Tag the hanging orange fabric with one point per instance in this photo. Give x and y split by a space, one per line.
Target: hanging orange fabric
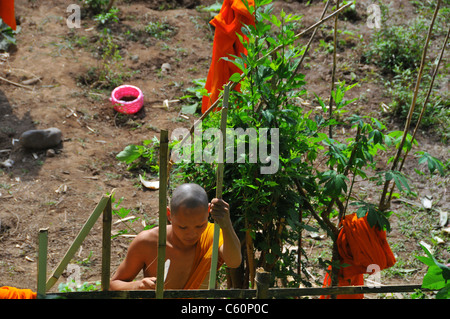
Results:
232 16
202 259
7 292
7 13
360 246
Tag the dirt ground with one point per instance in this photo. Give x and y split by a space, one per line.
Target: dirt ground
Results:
59 192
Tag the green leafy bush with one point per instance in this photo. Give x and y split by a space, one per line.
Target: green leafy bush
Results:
398 46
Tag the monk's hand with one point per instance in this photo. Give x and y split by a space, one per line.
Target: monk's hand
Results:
148 283
220 212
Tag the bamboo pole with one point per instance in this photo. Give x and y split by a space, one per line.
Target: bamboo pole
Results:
333 72
162 230
106 246
77 242
42 262
262 283
383 202
250 256
219 186
430 88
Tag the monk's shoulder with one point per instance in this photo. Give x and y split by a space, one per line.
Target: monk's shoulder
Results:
146 239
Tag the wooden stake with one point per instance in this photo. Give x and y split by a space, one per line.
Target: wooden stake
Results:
219 184
262 283
42 262
106 246
163 161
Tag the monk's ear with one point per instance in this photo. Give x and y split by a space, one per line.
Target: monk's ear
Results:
168 215
209 208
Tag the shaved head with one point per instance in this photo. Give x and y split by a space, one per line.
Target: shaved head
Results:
190 196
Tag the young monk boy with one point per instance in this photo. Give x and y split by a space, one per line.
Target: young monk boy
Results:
188 244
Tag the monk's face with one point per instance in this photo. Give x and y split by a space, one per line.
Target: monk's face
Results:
189 223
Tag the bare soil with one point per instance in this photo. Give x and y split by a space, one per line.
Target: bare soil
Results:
59 192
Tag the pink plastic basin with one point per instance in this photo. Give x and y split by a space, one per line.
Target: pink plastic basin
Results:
128 105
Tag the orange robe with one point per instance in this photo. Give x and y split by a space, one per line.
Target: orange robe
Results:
360 246
7 292
228 22
7 13
202 260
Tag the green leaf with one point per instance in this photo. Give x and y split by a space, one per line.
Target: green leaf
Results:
433 278
130 153
399 179
335 183
235 77
432 162
437 276
189 109
374 216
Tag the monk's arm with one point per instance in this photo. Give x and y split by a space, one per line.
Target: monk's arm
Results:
230 251
123 278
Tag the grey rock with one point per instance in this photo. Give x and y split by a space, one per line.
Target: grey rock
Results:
41 139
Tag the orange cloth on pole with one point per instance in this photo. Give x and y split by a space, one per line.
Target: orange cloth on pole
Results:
232 16
202 260
7 292
360 246
7 13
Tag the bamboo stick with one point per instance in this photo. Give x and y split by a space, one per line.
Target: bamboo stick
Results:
106 246
162 231
42 262
16 84
262 284
430 88
383 203
333 72
219 186
250 256
77 242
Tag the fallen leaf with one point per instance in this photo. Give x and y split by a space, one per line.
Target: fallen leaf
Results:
149 184
443 218
427 202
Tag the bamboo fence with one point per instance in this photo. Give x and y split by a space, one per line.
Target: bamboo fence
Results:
262 278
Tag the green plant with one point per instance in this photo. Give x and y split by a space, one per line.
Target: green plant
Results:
437 276
111 71
401 89
194 96
142 157
72 286
96 6
397 46
7 36
397 50
124 214
107 17
160 30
